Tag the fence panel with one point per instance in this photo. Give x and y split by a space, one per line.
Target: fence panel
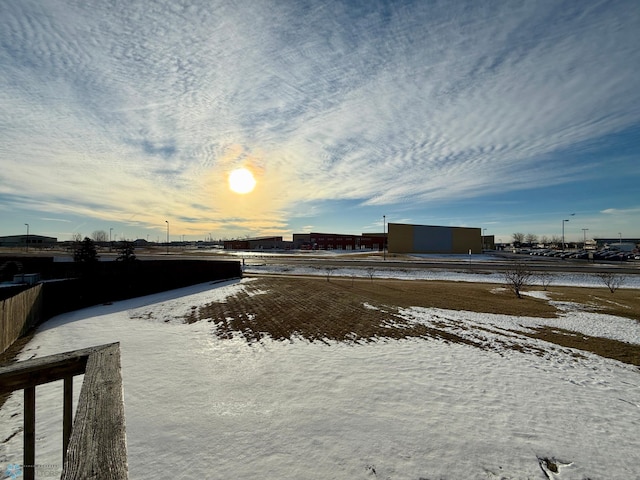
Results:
18 314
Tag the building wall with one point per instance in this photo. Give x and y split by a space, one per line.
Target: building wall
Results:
465 239
372 241
236 245
334 241
404 238
32 240
489 242
301 240
400 238
265 243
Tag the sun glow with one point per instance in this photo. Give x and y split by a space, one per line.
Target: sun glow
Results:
241 180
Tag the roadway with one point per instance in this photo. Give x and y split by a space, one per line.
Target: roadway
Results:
474 263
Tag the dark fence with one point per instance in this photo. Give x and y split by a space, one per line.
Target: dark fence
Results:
78 286
104 282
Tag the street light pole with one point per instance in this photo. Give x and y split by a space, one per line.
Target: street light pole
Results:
620 235
584 237
27 236
384 237
110 230
563 233
167 222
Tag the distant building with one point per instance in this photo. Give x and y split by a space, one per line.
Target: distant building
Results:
36 241
372 241
488 242
340 241
261 243
622 244
334 241
302 241
236 244
404 238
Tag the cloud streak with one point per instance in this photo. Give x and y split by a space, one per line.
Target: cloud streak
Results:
146 106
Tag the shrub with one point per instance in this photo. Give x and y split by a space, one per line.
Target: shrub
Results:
612 280
517 276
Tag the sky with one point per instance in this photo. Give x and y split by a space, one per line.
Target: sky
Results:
129 116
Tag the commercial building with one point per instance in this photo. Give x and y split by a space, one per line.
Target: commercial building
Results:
338 241
401 238
261 243
36 241
404 238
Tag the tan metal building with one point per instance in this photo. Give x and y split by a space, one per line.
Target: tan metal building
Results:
405 238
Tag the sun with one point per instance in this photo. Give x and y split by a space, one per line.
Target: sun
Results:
241 180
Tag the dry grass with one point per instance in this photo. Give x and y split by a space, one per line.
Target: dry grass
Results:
320 310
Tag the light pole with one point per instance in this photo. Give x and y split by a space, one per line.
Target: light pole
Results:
620 236
563 233
384 237
482 249
167 222
584 237
110 230
27 236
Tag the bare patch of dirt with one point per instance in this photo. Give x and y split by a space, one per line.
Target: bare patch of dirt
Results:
621 351
361 310
313 309
623 303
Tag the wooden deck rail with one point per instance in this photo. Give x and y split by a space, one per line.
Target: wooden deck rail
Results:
94 444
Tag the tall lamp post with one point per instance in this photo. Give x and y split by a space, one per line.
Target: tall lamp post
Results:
384 237
620 236
584 237
563 233
167 222
110 244
483 235
27 236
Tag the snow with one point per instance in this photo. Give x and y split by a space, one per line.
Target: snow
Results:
202 407
450 274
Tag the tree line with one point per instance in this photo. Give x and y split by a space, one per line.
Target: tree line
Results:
531 239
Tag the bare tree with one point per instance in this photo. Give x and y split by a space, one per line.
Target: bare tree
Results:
76 237
100 236
371 272
517 276
329 270
544 240
556 240
545 279
531 238
518 237
612 280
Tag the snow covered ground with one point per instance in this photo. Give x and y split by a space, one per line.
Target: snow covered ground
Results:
488 276
202 407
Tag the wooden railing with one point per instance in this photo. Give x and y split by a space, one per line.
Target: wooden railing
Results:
94 444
